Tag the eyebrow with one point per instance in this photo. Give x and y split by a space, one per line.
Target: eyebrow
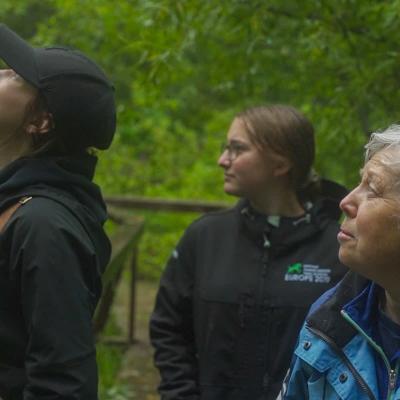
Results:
371 174
373 177
236 141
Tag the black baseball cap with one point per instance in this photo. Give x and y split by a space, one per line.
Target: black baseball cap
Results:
78 93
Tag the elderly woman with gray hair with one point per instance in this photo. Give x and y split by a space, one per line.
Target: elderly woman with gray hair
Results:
349 347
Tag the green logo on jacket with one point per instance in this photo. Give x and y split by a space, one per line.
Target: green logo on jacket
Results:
299 272
296 268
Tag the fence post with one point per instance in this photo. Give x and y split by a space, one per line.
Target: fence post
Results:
132 299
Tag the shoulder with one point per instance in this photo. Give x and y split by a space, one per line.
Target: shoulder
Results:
326 231
214 220
43 210
211 225
208 229
324 221
330 230
41 217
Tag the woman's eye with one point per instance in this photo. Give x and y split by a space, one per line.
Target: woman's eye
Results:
238 148
372 191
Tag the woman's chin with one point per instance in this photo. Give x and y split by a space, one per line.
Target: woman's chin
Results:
346 259
229 189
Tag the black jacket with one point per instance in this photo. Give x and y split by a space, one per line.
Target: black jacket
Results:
53 251
233 298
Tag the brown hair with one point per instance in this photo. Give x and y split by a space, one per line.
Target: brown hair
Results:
289 133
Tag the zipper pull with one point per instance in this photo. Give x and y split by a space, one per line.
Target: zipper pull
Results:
267 243
306 219
392 379
24 200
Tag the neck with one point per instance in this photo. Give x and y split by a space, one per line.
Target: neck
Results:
283 202
11 150
391 306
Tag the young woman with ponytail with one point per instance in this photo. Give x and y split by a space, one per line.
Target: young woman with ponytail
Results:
239 283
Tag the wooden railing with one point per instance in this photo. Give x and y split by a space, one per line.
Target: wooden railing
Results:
125 241
147 203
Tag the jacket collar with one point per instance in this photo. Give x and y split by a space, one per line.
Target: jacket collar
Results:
70 175
364 309
350 294
278 231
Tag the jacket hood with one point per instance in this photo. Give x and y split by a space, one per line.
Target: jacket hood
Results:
331 194
280 230
67 181
72 175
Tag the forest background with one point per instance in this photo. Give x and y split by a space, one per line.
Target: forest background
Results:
183 68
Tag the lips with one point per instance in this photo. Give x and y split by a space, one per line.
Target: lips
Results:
344 235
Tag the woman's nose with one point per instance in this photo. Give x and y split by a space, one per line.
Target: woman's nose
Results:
349 204
223 160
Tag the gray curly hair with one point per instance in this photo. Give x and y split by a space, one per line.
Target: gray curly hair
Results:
386 139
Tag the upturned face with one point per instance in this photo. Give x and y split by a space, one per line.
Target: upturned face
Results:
370 234
248 170
15 95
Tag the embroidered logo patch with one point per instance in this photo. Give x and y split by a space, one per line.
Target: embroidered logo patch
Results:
307 273
296 268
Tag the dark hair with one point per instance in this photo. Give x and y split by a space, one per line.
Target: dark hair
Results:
289 133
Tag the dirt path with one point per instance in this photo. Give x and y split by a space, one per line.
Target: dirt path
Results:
138 372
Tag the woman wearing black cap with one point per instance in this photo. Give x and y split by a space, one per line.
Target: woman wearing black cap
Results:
237 287
55 103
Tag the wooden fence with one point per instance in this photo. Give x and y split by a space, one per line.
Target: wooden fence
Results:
125 241
147 203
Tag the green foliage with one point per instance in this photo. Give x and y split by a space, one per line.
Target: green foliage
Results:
179 65
159 239
109 361
183 68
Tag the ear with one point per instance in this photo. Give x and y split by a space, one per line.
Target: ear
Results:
282 165
41 124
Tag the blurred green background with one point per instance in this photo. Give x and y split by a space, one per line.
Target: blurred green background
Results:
183 68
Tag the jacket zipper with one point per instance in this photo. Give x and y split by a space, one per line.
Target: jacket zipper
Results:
359 379
261 308
392 382
391 372
244 300
264 260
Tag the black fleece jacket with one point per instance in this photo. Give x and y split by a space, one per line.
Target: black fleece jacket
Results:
232 299
53 251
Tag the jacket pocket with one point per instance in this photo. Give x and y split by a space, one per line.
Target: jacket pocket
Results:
319 388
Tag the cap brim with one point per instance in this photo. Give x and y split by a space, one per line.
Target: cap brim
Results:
18 55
